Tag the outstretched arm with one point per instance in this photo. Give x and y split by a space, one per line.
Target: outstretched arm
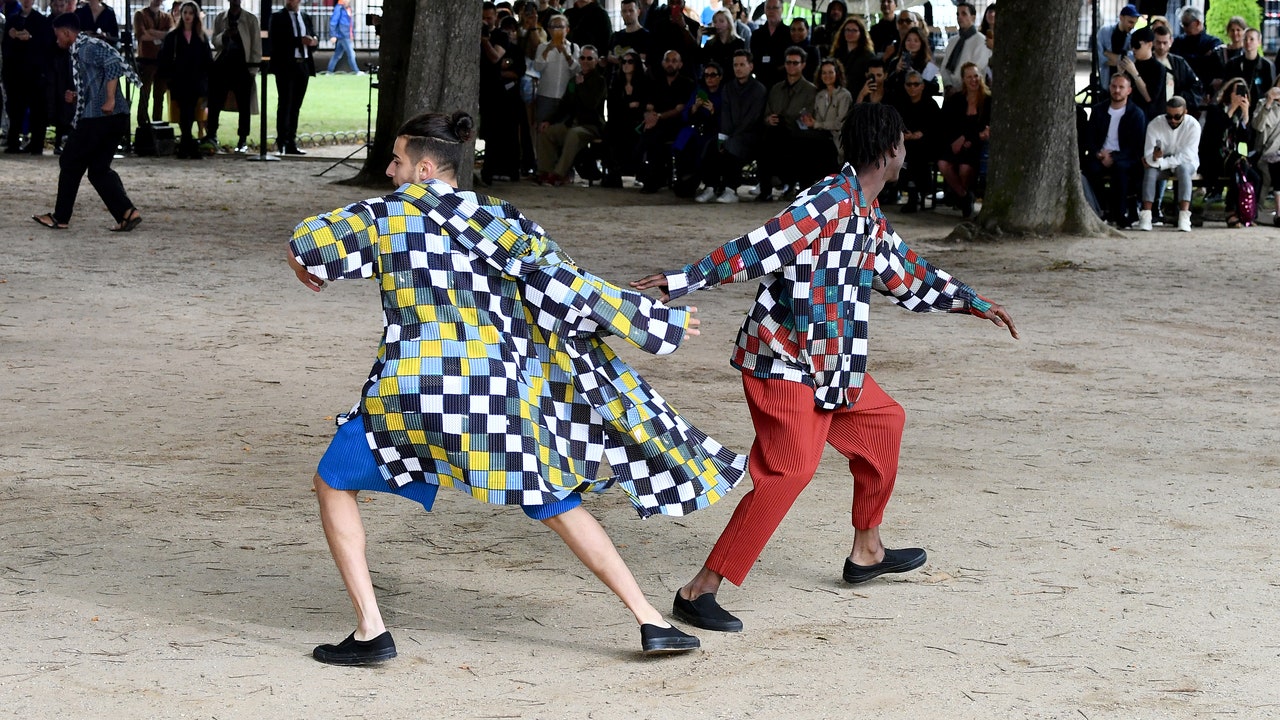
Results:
338 244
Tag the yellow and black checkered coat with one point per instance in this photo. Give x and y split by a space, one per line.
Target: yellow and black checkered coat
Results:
492 375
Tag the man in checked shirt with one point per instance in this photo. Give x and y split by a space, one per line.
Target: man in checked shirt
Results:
803 353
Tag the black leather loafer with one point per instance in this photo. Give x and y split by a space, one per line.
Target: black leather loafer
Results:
661 640
704 612
357 652
895 561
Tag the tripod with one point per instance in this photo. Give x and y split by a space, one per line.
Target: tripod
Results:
368 121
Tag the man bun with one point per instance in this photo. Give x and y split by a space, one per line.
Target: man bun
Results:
462 125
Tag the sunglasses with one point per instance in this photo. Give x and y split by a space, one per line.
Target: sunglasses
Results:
628 61
587 57
795 62
915 84
710 74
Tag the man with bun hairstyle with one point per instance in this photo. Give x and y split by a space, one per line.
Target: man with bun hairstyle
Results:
493 378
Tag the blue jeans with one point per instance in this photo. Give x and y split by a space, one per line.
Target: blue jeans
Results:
342 47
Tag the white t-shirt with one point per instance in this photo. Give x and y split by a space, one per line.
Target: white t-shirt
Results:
1112 142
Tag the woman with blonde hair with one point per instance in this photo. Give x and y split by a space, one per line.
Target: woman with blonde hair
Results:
966 123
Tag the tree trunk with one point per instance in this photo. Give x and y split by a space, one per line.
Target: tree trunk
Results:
429 61
1034 185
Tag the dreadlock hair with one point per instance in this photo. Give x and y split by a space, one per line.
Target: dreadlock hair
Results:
438 136
870 131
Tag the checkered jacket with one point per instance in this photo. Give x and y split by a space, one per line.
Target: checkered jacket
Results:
820 259
492 375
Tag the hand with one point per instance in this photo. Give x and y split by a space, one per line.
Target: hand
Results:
694 322
109 106
807 120
304 277
650 119
771 120
1104 156
310 41
542 126
1157 153
656 280
998 315
69 96
1127 65
985 134
957 145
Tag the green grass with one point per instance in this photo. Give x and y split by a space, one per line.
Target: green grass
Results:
333 104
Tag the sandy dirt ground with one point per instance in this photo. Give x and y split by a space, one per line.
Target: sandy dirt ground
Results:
1098 499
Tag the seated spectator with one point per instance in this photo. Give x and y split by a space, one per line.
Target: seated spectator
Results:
1181 80
742 110
831 105
852 47
1113 146
913 54
700 134
662 121
966 47
1266 123
1257 71
873 85
793 152
556 64
1148 75
1225 149
966 123
724 43
1171 149
921 117
629 95
828 30
800 39
905 20
578 121
185 60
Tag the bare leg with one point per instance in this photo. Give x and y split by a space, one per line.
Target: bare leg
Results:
950 177
867 548
345 534
706 581
589 541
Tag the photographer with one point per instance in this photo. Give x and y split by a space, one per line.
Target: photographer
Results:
874 86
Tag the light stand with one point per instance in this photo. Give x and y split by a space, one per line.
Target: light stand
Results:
130 58
368 121
264 70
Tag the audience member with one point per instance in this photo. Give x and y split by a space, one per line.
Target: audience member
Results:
885 33
671 30
769 44
831 105
913 54
27 49
578 121
1257 71
922 119
1171 149
1233 47
502 65
556 63
966 122
904 21
792 151
1198 47
237 53
826 32
590 24
852 48
62 83
293 41
1113 145
1266 123
99 20
662 121
632 36
1226 146
873 86
966 47
724 41
800 39
1113 43
150 25
185 60
697 140
629 94
531 36
1181 80
740 130
1148 75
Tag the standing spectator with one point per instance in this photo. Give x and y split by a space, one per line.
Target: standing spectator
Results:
629 95
769 44
342 30
708 12
237 46
670 29
966 117
1148 75
826 32
501 111
590 22
852 48
740 24
529 36
185 61
100 123
1199 48
61 84
1113 43
293 42
632 36
800 39
1266 123
922 119
788 141
150 25
662 121
1257 71
885 33
99 20
913 54
578 121
831 105
740 130
1181 80
1113 147
556 63
26 48
724 42
966 47
1232 49
1171 149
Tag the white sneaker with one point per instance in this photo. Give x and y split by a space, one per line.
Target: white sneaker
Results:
1184 220
730 195
1144 219
753 190
706 195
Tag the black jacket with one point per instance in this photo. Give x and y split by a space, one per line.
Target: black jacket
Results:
284 41
1133 132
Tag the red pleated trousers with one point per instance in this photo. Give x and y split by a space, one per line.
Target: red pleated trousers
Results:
790 435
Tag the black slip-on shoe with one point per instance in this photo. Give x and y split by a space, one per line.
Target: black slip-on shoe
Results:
895 561
660 640
704 612
357 652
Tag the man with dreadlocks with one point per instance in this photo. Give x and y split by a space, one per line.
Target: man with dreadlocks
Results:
101 121
803 355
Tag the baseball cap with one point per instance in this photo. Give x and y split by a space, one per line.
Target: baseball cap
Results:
1129 11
